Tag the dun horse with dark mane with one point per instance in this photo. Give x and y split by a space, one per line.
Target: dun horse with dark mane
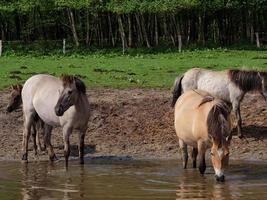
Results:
203 121
230 85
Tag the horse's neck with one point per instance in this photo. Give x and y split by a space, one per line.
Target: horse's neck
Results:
82 103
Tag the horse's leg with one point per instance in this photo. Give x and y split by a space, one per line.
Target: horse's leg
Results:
66 137
183 148
236 109
34 137
194 157
48 129
39 129
26 135
81 146
201 156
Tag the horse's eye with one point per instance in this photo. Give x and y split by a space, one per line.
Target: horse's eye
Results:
70 92
211 154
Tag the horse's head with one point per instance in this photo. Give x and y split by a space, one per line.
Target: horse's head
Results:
220 157
73 87
15 98
263 76
219 128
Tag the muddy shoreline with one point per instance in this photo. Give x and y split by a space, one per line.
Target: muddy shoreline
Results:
134 124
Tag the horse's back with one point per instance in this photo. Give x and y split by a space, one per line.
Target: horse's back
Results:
190 117
215 82
40 94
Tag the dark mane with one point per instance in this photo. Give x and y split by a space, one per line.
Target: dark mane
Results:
69 79
217 128
17 87
245 80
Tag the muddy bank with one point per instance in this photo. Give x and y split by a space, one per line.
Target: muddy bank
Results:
134 123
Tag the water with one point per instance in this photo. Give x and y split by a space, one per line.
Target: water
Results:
128 180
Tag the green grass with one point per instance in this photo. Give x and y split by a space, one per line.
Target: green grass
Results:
111 69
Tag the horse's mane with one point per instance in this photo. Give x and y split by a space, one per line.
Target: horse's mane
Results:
17 87
246 80
69 79
217 121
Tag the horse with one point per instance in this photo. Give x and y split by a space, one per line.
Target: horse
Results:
230 85
203 121
38 126
58 102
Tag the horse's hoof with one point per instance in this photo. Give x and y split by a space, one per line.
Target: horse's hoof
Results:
24 157
53 158
240 136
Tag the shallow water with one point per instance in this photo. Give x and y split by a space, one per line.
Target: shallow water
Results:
129 180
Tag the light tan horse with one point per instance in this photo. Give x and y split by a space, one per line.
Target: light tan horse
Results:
202 121
58 102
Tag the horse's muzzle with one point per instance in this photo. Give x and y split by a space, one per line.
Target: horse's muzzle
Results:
220 178
59 110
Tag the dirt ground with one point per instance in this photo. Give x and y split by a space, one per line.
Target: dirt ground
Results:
134 123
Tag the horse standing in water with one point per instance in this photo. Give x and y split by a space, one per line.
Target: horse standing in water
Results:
38 125
58 102
202 121
230 85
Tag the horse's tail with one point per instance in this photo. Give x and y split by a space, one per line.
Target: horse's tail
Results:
177 89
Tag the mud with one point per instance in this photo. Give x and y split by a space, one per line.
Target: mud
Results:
134 123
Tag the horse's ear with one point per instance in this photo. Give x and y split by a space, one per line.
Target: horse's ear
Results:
229 138
19 87
80 85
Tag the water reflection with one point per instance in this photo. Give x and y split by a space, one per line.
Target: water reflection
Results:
128 180
192 185
45 181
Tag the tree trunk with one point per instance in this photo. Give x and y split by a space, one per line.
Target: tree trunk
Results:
257 40
140 35
130 36
122 33
87 28
156 31
110 30
144 31
73 28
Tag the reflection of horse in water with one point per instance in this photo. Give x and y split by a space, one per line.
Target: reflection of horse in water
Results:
201 120
38 182
193 186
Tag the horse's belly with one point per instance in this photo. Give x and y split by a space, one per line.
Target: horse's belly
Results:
46 113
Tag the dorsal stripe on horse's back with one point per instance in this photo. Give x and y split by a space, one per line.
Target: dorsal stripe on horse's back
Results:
207 98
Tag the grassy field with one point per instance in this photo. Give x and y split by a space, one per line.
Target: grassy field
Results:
132 70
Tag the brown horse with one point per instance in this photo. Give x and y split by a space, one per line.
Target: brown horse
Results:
229 85
202 121
58 102
38 125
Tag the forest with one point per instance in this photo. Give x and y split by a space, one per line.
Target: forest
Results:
134 23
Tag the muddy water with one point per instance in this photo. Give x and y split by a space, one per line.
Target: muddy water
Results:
105 179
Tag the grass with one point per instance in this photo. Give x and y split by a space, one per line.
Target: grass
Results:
111 69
